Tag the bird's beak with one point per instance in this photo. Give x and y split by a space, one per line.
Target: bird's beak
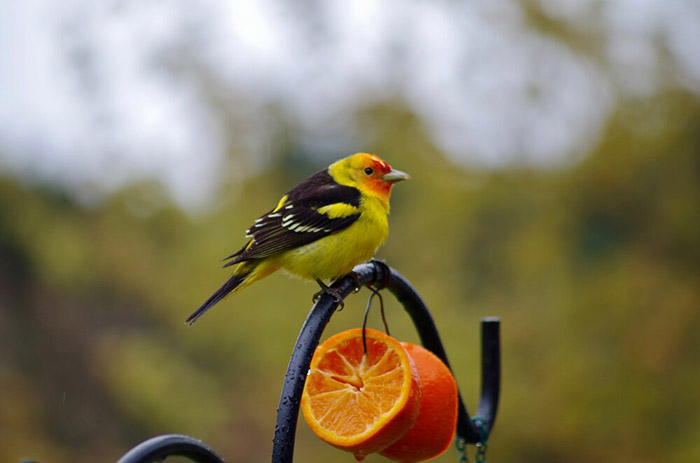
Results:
394 176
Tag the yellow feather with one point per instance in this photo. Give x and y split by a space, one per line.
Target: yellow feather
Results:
338 210
281 203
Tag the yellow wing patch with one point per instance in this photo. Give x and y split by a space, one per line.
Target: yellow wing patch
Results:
281 203
338 210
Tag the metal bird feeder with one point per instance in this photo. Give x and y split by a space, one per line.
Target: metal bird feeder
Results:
375 273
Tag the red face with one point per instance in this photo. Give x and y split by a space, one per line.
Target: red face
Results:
379 165
367 172
374 169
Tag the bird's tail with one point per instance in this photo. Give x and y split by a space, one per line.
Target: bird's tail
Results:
244 274
232 283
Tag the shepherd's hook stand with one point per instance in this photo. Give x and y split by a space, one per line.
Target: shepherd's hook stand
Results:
377 273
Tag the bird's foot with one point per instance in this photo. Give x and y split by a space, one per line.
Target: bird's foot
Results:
333 292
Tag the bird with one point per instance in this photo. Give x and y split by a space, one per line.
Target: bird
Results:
319 230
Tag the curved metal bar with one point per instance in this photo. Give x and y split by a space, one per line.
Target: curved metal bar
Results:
158 448
377 272
310 334
428 333
490 375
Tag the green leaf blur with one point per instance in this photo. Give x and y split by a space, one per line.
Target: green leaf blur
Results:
593 266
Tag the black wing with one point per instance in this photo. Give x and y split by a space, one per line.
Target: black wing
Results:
315 208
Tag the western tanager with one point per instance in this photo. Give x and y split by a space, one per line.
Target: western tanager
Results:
320 229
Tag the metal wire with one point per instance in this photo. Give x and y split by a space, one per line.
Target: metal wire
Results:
375 292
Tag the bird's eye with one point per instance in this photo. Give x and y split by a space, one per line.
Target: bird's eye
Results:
369 171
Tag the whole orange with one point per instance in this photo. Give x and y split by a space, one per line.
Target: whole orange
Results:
433 431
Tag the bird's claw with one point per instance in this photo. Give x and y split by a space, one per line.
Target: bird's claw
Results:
332 292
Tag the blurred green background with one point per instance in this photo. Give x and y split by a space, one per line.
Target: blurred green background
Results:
555 154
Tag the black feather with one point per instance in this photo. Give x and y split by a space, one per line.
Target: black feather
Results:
271 236
320 189
219 294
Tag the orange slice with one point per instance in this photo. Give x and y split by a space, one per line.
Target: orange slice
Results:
435 426
361 403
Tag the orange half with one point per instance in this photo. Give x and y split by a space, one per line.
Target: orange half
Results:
434 428
361 403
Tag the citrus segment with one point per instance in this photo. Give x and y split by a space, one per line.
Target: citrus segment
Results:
361 403
435 425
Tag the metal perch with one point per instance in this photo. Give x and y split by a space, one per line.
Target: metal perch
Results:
378 274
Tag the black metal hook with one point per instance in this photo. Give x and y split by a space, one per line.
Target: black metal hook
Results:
158 448
376 273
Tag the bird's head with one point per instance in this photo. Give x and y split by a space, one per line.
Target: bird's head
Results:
368 173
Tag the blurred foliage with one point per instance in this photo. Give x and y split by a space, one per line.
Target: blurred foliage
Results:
594 270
